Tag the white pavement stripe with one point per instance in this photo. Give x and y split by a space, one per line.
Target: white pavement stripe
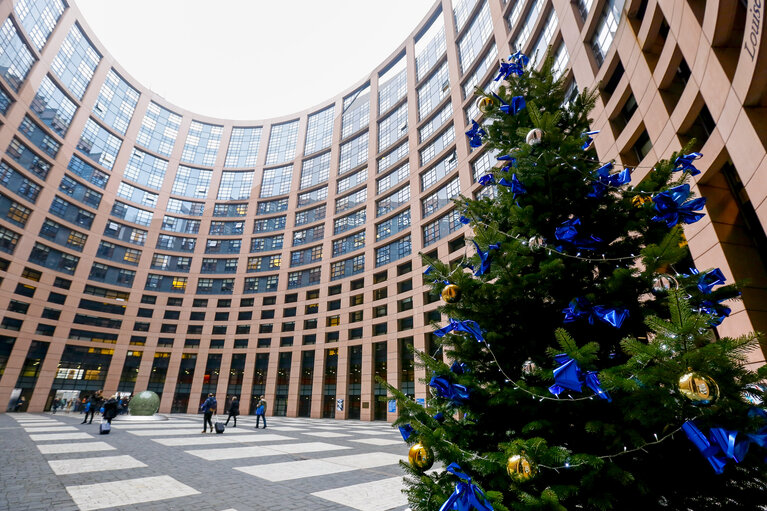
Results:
60 436
376 496
309 468
326 434
74 447
231 453
178 432
94 464
286 428
38 421
46 429
131 491
220 439
377 441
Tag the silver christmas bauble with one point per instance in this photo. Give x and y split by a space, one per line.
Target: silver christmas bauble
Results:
534 136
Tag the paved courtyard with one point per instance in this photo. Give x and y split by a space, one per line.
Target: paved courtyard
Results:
52 462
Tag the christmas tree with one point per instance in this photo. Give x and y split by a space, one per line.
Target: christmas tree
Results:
580 367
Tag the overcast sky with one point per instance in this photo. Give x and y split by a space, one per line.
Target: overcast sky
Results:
251 59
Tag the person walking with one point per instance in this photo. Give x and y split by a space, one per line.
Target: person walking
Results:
261 411
94 403
110 409
19 404
234 411
208 408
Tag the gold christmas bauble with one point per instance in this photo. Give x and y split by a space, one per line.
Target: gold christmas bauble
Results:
451 293
485 105
698 388
519 468
640 200
534 136
420 457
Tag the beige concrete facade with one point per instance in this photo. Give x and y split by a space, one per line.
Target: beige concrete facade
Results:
675 70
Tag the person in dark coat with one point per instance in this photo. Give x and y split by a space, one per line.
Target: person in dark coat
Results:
110 409
208 408
234 411
95 403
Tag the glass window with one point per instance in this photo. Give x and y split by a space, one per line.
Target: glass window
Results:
605 31
561 60
441 227
319 132
348 222
235 185
484 163
461 11
474 39
392 128
392 85
394 156
353 153
145 169
318 195
544 39
437 172
282 142
15 57
433 91
243 147
393 201
310 215
276 181
489 61
527 25
192 182
202 142
348 244
393 225
75 62
315 170
352 200
53 107
138 195
356 111
437 146
185 207
99 145
393 251
38 17
436 122
440 198
352 180
430 46
393 178
116 102
159 129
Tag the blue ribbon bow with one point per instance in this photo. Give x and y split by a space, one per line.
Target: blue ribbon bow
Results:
459 368
407 431
674 207
684 163
484 257
428 270
509 158
468 326
515 66
721 445
589 141
464 220
513 108
710 451
516 185
718 310
487 179
711 278
569 376
580 308
453 392
568 233
475 134
606 180
467 496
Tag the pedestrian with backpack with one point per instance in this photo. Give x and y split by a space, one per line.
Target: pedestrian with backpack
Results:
208 408
261 411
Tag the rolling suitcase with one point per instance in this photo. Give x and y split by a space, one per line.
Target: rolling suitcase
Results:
219 427
105 428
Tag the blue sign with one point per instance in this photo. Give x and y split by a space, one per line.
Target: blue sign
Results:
392 405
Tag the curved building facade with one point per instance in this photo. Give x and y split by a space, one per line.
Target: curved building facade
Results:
145 246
